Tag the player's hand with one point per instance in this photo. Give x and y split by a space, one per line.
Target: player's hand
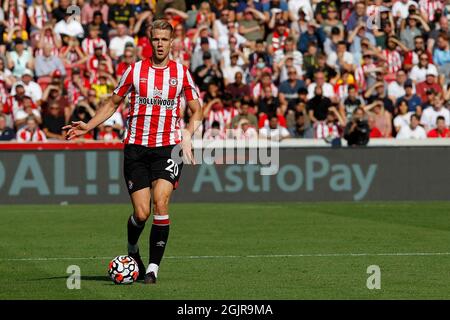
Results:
76 129
186 146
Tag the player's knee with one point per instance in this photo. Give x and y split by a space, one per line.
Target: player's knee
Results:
161 206
142 212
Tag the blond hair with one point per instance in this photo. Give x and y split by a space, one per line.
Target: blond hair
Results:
162 24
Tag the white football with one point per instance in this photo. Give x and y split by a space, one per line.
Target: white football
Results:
123 270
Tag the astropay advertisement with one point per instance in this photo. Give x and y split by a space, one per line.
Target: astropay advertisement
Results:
296 174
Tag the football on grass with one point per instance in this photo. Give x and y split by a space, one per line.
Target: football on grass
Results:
123 270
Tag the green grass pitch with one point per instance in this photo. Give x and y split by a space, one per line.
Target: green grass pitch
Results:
234 251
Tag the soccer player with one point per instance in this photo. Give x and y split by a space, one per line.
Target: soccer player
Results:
155 87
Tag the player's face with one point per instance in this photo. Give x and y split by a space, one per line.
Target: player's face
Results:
161 43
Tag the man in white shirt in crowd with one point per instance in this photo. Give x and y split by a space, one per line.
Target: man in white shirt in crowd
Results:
430 114
230 71
396 89
274 131
69 26
400 9
327 88
32 89
413 131
117 44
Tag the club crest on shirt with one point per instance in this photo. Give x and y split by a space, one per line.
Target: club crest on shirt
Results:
173 82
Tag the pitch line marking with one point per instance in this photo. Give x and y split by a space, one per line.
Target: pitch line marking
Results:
398 254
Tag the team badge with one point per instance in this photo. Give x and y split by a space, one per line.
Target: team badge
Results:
130 184
173 82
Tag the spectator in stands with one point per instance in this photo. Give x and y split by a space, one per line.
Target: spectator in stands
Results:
90 7
260 52
245 131
376 93
419 72
69 26
357 131
121 12
301 127
6 133
229 72
32 89
238 89
31 132
413 130
318 106
19 59
27 109
108 133
274 131
413 100
430 115
289 89
403 117
99 63
207 73
441 130
252 25
269 105
313 34
430 83
214 132
244 114
320 81
94 41
53 121
46 64
198 57
352 102
441 57
99 22
118 43
396 88
382 118
330 128
374 131
60 11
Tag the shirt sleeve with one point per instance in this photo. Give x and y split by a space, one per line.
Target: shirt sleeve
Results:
189 88
125 83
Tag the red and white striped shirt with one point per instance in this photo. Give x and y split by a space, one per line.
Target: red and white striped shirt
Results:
39 14
393 60
323 130
48 39
88 45
361 77
155 97
429 7
25 135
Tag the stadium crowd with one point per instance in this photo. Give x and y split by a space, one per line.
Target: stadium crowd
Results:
272 69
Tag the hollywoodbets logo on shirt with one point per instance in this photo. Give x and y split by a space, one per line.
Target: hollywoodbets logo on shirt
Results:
157 101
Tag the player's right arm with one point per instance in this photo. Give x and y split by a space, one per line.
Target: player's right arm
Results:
106 110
